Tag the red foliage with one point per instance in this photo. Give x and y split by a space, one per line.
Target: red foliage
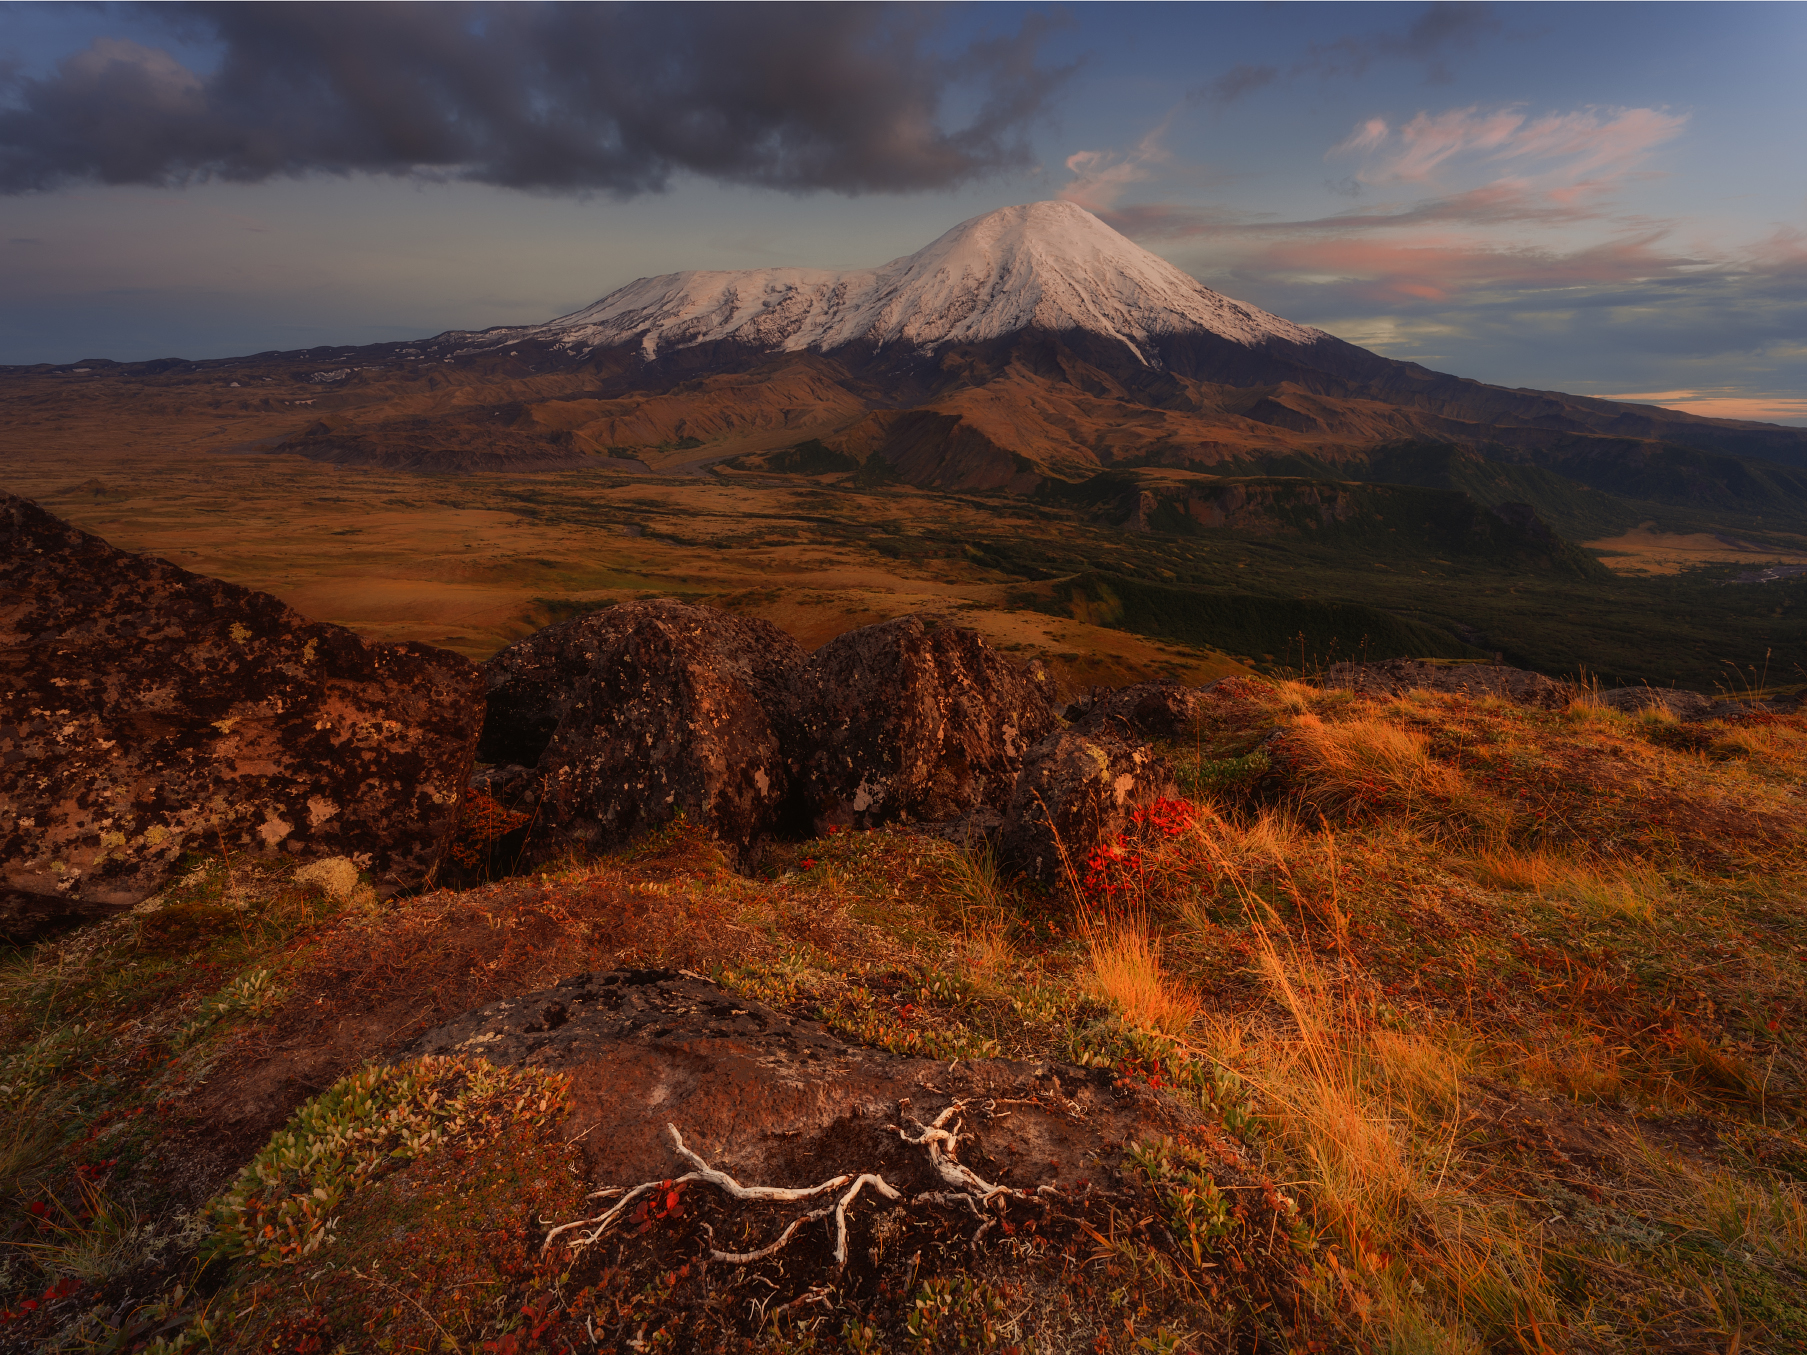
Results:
480 822
1118 868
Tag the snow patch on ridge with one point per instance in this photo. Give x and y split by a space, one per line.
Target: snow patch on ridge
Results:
1046 265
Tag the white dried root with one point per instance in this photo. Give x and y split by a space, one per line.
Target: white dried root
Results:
722 1181
941 1144
966 1188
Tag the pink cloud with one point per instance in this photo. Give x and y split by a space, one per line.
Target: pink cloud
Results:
1101 176
1589 139
1762 408
1435 267
1366 137
1505 202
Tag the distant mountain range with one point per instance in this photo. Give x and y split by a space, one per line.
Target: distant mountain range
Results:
1029 350
1037 343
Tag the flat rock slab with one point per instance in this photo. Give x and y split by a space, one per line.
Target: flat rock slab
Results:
776 1100
147 712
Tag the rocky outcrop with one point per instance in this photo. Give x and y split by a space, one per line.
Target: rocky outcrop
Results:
775 1099
532 681
904 721
1148 710
1395 677
680 713
1075 792
149 712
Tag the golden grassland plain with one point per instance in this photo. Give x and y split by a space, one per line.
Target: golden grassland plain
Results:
472 562
1509 1001
1646 550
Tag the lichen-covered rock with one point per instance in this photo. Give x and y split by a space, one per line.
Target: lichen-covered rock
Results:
532 681
146 712
1075 792
1395 677
679 713
1148 710
903 722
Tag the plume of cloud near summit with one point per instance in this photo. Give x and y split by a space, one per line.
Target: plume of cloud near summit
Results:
562 98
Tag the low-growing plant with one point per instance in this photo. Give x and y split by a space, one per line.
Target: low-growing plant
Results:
1198 1212
281 1209
250 994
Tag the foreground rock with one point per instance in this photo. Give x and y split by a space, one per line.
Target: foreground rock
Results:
904 722
1076 792
149 712
677 714
1148 710
533 682
776 1100
685 1099
1395 677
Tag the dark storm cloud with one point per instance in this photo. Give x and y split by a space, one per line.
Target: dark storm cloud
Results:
1432 37
548 97
1437 33
1239 80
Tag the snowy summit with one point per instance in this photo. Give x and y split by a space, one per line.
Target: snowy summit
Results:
1044 265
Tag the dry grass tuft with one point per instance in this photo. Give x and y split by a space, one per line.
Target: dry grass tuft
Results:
1125 973
1372 766
1505 867
1583 1068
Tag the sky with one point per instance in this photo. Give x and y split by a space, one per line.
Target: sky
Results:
1603 199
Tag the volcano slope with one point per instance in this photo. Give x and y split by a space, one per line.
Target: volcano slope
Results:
1441 1022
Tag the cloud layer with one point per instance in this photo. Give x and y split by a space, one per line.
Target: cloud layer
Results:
547 97
1588 140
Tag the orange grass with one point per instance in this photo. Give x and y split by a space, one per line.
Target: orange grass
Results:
1125 973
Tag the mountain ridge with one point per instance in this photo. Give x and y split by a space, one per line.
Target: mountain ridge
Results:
1044 265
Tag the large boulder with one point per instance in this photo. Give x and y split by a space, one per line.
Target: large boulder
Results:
1395 677
149 712
532 681
1148 710
680 712
1077 792
904 721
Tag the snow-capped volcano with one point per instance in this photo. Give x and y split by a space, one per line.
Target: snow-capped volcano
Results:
1044 265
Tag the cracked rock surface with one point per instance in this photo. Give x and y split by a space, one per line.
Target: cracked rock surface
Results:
1076 792
675 715
776 1099
900 722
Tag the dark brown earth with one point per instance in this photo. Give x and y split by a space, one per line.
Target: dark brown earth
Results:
149 712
